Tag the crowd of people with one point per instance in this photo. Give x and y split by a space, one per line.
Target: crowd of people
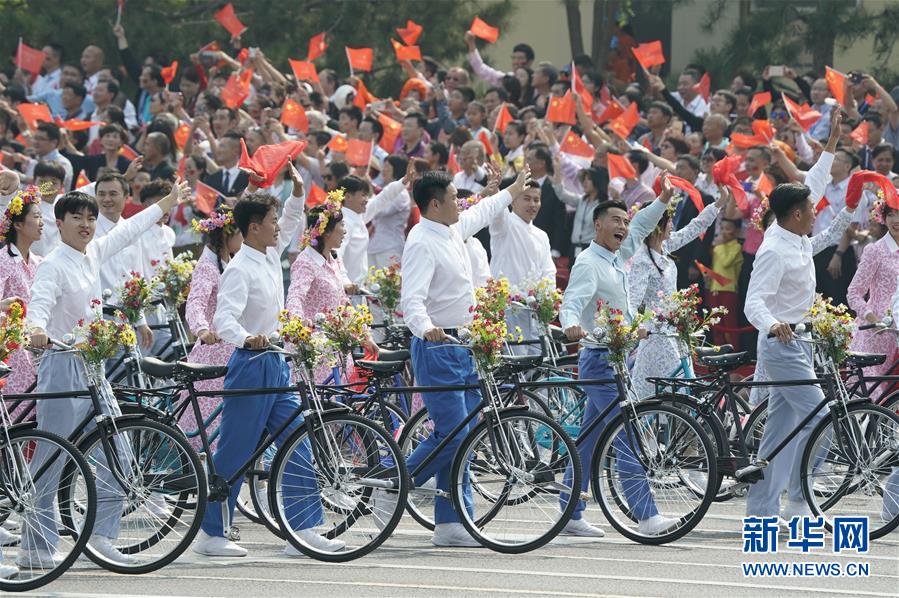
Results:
597 176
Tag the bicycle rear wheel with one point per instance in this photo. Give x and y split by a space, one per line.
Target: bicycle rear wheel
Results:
37 469
420 504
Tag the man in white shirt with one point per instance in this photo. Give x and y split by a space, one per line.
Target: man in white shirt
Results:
472 176
781 291
155 247
48 176
92 58
437 293
52 62
687 94
66 283
44 142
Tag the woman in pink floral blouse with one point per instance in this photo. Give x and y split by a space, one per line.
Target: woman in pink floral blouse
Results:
222 240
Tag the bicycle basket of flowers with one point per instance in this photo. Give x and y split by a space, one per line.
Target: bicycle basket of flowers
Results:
543 297
312 347
487 330
173 279
99 339
136 296
681 313
619 335
386 284
13 331
346 326
832 327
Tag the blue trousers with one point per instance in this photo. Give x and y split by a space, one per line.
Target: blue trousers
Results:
593 365
443 366
787 406
244 419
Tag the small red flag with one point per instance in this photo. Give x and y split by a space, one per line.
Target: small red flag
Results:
484 31
317 46
859 178
73 124
128 152
360 59
624 123
293 115
303 70
860 133
836 82
704 87
578 87
692 192
562 110
405 52
502 119
392 130
227 19
182 135
620 166
724 173
613 110
803 115
205 198
484 138
649 54
34 113
168 72
821 205
573 144
268 160
237 88
358 152
410 32
182 165
452 166
316 196
81 180
763 129
764 186
338 144
746 141
719 278
29 59
363 97
759 100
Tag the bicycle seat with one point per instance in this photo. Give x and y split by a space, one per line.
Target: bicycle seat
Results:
727 361
397 355
387 368
711 351
864 360
520 363
563 360
192 372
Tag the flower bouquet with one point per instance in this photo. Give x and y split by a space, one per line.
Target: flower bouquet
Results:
312 346
620 336
173 279
543 297
386 284
13 331
135 297
492 299
681 313
833 328
487 330
346 326
99 339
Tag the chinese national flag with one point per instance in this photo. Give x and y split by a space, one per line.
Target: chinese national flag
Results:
358 153
860 133
836 81
724 173
182 134
803 115
624 123
484 138
29 59
363 97
268 160
205 198
822 205
578 87
502 119
360 59
73 124
452 166
303 70
293 115
573 144
692 192
484 31
764 185
719 278
759 100
317 46
763 129
168 72
34 113
128 152
227 19
613 110
338 144
316 196
620 166
82 180
410 32
704 87
237 89
405 52
392 130
562 110
746 141
649 54
890 194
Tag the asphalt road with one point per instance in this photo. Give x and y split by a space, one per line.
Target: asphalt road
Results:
705 563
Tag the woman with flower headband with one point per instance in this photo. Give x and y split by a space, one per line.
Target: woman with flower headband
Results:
317 281
221 241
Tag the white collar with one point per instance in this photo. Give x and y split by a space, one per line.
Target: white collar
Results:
890 242
312 254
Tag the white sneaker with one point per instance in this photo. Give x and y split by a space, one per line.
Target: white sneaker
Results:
796 509
580 527
103 546
320 543
10 525
8 572
8 538
383 505
216 546
37 559
657 525
453 534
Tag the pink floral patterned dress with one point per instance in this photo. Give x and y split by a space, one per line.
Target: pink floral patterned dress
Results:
316 286
16 277
876 280
200 308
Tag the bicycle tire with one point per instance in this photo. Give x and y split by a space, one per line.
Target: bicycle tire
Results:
419 506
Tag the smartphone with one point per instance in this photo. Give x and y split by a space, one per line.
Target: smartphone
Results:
252 53
776 71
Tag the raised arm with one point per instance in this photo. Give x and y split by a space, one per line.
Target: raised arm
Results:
645 222
480 68
293 210
482 214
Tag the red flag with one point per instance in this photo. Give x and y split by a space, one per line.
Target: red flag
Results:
34 113
360 59
363 97
624 123
562 110
358 152
227 19
803 115
704 87
502 119
724 173
268 160
405 52
205 198
316 196
81 180
620 166
128 152
484 31
649 54
237 88
182 165
821 205
410 32
746 141
763 129
29 59
764 186
692 192
73 124
613 110
859 178
392 130
573 144
869 99
578 87
452 166
317 46
860 133
759 100
168 72
303 70
836 81
338 144
182 135
719 278
484 138
293 115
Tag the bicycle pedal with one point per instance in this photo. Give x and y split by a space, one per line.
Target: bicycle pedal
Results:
752 473
234 533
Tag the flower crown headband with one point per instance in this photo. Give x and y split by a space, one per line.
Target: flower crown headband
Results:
329 209
466 202
23 197
223 218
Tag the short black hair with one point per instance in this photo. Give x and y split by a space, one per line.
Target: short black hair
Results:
232 134
441 150
352 112
338 169
663 108
525 49
541 152
57 49
112 86
432 185
377 128
399 163
519 126
502 93
639 159
604 206
787 197
881 148
352 184
690 159
114 176
77 88
156 74
852 156
75 202
51 169
253 207
155 189
51 129
873 117
113 128
420 119
467 93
